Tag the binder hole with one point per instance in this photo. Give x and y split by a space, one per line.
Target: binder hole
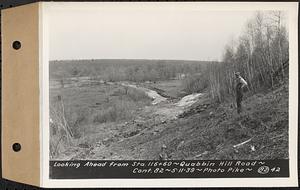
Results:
16 45
16 147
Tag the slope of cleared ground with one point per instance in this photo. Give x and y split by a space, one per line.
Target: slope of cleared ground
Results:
196 128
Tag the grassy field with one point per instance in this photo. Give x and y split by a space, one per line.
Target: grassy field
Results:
80 109
90 108
94 117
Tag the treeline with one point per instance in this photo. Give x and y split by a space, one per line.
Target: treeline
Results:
260 54
125 70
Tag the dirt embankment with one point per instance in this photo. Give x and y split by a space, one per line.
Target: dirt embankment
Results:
196 128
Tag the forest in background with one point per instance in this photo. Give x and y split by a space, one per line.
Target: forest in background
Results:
135 70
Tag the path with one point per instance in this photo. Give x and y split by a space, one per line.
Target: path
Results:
147 122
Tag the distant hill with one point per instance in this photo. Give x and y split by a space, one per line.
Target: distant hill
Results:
127 61
124 69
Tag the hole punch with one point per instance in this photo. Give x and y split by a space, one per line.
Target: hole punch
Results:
16 147
16 45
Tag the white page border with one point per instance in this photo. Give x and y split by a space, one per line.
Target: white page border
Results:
291 7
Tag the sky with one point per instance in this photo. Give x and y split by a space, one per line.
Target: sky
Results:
141 32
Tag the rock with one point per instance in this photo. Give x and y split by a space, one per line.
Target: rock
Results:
163 156
98 144
180 145
84 145
202 154
139 124
105 140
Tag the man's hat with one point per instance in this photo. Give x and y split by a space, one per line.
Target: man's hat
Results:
237 73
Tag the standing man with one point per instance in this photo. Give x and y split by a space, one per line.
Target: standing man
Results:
240 84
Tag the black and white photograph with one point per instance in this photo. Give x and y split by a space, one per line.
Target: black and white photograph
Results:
167 82
172 87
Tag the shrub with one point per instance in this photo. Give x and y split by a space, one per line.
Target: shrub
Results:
194 83
137 95
116 112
